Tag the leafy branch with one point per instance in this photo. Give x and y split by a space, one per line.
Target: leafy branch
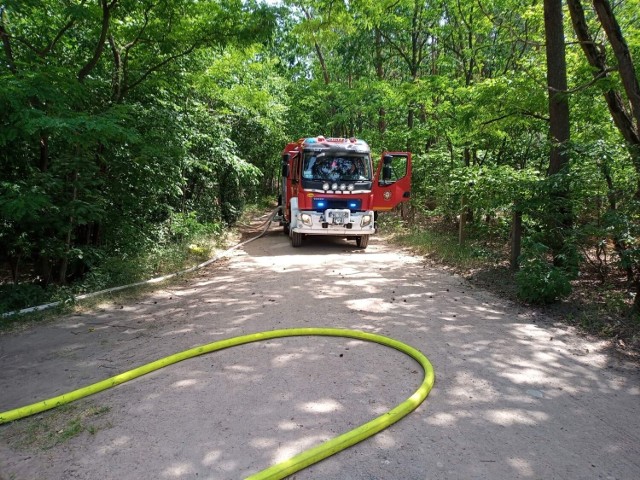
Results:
93 61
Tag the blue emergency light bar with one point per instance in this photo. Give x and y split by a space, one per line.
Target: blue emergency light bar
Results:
321 204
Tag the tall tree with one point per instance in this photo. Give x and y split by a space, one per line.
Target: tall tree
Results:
559 126
93 98
626 117
408 29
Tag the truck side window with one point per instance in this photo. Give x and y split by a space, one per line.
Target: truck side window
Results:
397 168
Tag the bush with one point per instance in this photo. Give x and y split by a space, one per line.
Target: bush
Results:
538 280
23 295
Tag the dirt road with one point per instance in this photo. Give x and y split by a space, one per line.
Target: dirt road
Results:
515 395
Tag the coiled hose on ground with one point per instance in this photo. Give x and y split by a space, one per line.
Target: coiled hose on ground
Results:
300 461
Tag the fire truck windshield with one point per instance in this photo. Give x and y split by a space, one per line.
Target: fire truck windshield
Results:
334 167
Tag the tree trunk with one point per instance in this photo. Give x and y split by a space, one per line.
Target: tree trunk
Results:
462 233
43 269
623 56
323 64
116 88
410 122
97 52
382 121
626 69
516 238
559 220
64 263
6 43
557 84
468 217
623 119
14 263
44 152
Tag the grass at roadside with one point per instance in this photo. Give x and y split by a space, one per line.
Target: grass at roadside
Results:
112 272
441 245
444 248
50 429
117 273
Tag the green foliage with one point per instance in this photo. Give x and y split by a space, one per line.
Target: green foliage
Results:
145 141
16 297
186 227
539 280
624 226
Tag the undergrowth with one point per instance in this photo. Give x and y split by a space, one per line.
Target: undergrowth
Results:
185 245
440 245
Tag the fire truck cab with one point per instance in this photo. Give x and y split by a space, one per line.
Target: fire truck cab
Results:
331 187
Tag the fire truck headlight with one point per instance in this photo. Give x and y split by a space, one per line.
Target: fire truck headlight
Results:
350 187
325 186
334 186
305 218
366 220
343 187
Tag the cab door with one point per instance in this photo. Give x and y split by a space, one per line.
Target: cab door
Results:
392 182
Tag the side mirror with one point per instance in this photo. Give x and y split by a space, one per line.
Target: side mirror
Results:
285 165
388 160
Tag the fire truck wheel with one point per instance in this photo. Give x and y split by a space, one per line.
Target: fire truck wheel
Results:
296 239
362 241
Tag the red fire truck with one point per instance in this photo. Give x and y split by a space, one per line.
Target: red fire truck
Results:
331 187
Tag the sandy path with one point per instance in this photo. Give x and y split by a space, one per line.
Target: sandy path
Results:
515 395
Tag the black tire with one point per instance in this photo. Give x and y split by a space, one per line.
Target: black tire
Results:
362 241
296 239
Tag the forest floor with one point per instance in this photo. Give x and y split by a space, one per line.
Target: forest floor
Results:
518 394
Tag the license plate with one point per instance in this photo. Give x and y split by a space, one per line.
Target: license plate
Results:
339 217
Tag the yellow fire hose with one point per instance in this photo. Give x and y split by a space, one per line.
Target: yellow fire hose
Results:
300 461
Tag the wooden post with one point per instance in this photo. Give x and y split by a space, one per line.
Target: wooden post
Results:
463 220
516 237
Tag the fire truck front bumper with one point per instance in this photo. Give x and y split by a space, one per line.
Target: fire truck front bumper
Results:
338 222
